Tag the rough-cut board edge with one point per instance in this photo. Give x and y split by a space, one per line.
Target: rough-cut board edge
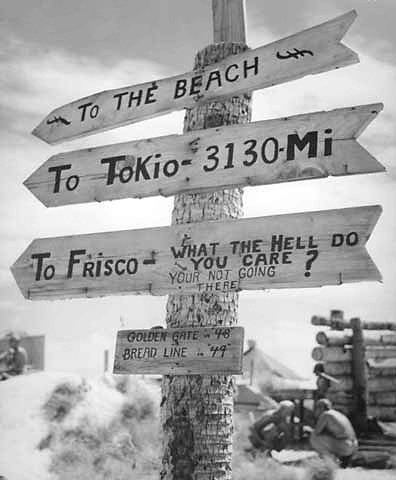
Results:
374 213
342 23
57 291
237 369
360 117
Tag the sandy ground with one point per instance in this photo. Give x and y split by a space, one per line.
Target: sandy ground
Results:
22 425
361 474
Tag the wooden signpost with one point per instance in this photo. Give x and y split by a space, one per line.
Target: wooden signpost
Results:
297 250
215 259
315 50
183 351
314 145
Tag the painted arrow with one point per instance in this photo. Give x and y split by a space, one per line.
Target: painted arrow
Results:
307 249
311 51
314 145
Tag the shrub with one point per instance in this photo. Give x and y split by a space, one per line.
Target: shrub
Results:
63 399
107 429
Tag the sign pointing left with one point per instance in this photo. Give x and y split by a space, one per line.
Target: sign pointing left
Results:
308 146
315 50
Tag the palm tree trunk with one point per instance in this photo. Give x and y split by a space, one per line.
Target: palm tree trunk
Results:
197 410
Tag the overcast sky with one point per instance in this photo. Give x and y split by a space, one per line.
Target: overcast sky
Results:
54 52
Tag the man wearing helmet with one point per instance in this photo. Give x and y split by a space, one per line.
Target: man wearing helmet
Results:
333 434
13 361
273 431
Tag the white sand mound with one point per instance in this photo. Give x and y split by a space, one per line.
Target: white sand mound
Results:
22 425
59 426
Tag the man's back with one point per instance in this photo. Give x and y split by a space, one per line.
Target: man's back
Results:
17 360
337 424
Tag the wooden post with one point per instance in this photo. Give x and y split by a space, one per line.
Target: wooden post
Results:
359 372
106 361
336 319
229 21
197 410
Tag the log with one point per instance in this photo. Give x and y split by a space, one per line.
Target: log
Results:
344 354
338 368
377 353
382 367
331 354
383 398
336 320
378 442
341 324
382 384
333 339
383 413
188 424
345 384
343 409
379 384
379 337
382 372
340 398
373 337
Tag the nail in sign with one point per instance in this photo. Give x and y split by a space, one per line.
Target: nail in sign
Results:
313 145
183 351
307 249
311 51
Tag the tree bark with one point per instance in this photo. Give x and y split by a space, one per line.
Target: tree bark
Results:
197 410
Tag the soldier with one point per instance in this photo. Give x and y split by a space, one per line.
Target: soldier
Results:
333 434
273 431
14 359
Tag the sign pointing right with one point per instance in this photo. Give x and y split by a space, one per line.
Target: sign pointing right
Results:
308 249
315 50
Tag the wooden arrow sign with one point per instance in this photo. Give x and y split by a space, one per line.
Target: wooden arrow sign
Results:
313 145
311 51
182 351
298 250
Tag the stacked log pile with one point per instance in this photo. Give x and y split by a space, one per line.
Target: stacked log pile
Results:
335 351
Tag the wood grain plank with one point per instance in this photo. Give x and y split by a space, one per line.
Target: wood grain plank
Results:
297 250
315 50
308 146
186 351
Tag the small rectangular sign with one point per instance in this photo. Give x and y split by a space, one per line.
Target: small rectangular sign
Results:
308 249
180 351
308 146
311 51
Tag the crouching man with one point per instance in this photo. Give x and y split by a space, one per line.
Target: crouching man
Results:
333 435
273 431
13 361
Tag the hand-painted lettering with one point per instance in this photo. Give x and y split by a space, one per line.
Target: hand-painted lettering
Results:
215 79
58 172
350 239
100 266
294 141
39 267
